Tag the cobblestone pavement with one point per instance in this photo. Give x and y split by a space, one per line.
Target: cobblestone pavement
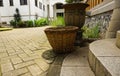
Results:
21 50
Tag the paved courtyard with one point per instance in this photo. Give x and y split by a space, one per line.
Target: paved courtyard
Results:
21 50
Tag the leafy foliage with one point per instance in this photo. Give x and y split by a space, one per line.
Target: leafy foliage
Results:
17 16
12 23
90 32
17 19
29 23
59 21
41 22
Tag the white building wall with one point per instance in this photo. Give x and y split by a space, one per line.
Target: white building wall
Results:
28 11
52 8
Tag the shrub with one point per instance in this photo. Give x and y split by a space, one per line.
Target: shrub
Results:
59 21
29 23
21 24
90 32
13 23
17 16
41 22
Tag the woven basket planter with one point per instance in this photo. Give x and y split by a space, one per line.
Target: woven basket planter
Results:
62 38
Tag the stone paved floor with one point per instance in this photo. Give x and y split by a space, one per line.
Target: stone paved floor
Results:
21 50
76 63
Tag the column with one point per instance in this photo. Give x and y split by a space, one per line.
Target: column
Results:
114 24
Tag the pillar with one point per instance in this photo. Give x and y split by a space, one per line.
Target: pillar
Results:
114 24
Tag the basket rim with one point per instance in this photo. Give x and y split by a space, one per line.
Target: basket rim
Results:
65 28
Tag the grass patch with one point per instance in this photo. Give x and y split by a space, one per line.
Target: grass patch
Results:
5 29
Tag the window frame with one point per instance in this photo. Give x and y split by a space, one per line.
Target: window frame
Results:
59 6
36 3
43 7
40 5
11 2
1 3
23 2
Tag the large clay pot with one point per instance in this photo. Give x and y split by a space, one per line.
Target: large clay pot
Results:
75 15
62 38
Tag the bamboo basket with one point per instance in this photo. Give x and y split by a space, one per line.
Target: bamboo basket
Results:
62 38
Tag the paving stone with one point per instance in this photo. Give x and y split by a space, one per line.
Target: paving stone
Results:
3 61
27 51
23 55
78 61
16 72
35 70
54 70
6 67
24 64
11 51
30 58
42 64
3 55
43 74
76 71
16 60
16 53
2 50
20 49
26 74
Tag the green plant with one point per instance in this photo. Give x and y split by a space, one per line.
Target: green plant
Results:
21 24
59 21
17 16
5 29
29 23
17 19
90 32
71 1
41 22
13 23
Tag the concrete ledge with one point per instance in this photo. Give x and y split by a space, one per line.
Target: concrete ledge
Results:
104 58
118 39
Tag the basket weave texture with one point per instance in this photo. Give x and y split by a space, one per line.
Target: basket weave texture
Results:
62 38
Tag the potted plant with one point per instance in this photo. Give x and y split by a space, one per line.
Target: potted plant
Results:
61 37
75 15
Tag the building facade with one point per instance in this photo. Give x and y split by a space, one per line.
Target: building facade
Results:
30 9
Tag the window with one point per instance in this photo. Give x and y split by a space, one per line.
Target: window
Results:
40 5
43 7
23 2
36 3
1 2
59 6
59 14
11 2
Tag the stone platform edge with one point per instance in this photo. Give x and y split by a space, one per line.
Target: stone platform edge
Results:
104 58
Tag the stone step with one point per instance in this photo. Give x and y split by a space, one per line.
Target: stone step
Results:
104 58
